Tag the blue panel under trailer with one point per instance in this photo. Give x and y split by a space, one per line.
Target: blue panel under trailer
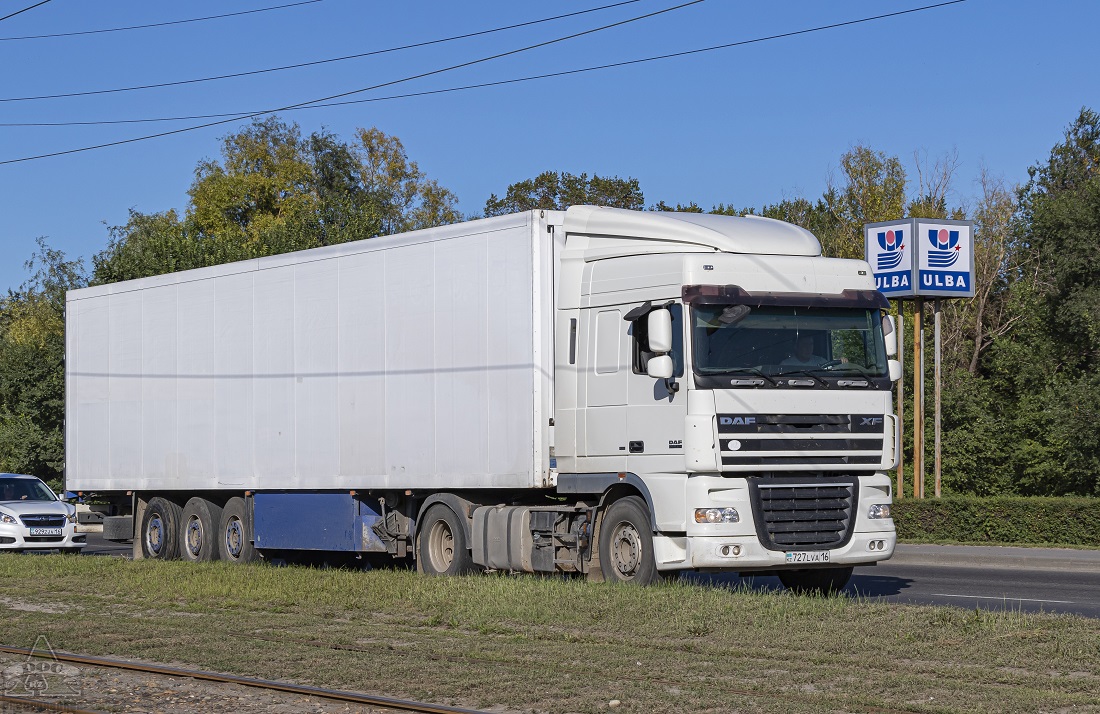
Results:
315 521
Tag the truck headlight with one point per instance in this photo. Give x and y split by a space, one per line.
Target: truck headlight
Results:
717 515
879 510
5 518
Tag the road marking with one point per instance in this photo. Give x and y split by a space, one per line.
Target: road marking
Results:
1005 597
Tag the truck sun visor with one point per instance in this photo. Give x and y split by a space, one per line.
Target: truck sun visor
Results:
736 295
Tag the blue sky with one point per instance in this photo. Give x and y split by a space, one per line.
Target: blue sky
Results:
996 80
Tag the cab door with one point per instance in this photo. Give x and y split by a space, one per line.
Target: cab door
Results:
656 408
606 388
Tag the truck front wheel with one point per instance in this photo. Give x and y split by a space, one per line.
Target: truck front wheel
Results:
817 581
160 530
626 543
443 548
234 535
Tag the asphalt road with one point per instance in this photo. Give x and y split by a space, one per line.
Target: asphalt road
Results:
990 578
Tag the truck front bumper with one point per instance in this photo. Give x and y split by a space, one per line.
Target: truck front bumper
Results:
746 554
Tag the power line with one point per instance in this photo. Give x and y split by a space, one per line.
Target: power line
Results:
315 62
20 12
155 24
356 91
517 80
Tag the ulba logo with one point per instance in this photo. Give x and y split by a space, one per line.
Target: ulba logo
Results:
945 246
893 246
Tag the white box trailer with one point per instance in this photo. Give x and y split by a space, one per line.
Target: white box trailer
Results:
421 361
489 394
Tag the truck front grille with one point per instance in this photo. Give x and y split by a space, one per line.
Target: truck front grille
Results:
765 441
804 513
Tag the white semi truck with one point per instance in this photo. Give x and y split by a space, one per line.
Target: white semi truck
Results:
598 391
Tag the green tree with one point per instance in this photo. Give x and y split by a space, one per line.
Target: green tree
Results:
275 191
32 377
872 190
553 191
1060 220
1053 359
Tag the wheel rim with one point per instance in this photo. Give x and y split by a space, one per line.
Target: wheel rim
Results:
154 534
441 546
626 550
234 537
194 536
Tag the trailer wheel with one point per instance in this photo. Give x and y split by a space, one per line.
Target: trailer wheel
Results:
198 531
626 543
234 534
817 581
443 548
160 530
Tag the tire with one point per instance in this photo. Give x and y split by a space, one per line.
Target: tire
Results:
160 530
626 543
443 549
199 531
817 581
235 533
118 528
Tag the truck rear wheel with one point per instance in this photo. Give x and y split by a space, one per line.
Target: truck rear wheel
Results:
234 533
443 548
626 543
817 581
199 528
160 530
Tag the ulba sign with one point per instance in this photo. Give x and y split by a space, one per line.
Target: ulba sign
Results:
921 257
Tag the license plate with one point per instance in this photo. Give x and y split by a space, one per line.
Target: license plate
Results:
807 556
45 531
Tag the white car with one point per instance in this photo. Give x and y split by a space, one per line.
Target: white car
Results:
32 517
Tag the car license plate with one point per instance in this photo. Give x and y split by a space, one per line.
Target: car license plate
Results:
45 531
807 556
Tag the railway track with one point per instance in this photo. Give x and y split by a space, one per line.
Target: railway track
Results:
271 686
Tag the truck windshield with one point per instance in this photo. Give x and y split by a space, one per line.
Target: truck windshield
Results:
777 340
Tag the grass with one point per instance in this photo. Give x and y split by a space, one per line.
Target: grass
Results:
546 644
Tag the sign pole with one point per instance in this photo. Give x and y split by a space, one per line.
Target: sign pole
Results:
918 400
936 313
901 399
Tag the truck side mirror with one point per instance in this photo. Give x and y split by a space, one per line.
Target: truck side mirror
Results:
659 331
659 367
895 369
890 334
